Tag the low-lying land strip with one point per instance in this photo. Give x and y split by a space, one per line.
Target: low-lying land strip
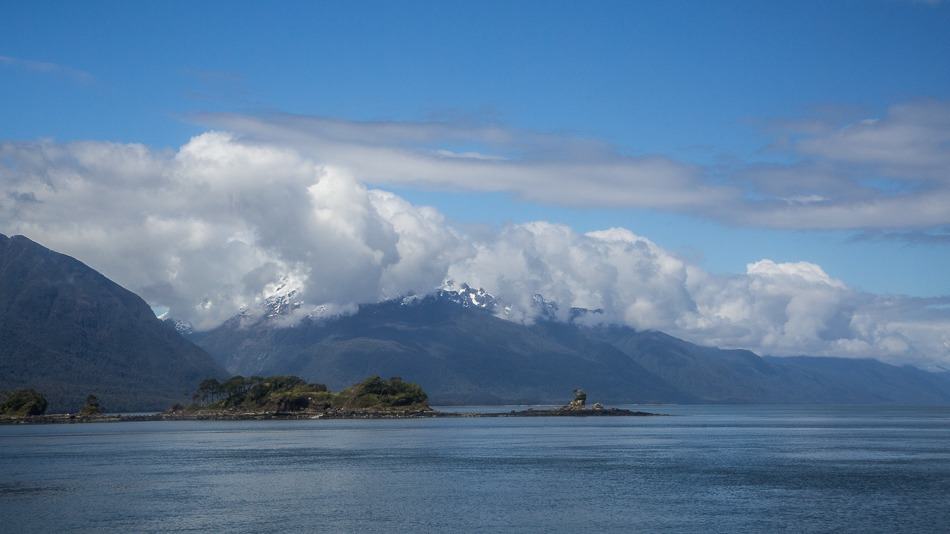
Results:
287 398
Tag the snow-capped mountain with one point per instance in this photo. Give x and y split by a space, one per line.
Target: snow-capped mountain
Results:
284 300
276 300
184 328
461 294
282 303
469 297
457 342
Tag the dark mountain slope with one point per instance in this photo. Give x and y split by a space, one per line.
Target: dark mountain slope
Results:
711 374
68 331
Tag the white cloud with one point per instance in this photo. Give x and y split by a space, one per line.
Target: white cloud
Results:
910 143
774 308
204 230
215 225
538 167
877 173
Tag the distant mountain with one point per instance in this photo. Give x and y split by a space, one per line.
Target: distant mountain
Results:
453 343
741 376
67 331
455 349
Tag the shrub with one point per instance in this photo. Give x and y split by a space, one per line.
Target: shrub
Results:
24 402
92 406
377 392
293 394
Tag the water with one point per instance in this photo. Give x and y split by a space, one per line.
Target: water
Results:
706 469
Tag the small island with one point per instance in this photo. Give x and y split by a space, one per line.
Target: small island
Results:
289 397
576 408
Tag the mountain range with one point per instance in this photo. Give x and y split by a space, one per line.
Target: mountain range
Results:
457 345
68 331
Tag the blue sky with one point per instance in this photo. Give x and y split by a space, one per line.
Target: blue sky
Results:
702 83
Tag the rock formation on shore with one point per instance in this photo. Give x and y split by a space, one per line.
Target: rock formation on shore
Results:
579 402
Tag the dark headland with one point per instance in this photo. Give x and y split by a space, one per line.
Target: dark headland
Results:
291 398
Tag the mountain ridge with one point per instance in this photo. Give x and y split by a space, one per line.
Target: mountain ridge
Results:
450 344
69 331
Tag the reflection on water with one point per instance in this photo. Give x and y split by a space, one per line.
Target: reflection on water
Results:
704 468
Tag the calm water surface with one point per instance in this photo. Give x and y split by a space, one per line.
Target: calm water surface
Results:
705 469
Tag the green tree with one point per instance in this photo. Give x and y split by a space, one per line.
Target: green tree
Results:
24 402
235 388
91 407
208 391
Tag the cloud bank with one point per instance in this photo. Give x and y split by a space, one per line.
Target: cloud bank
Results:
538 167
884 173
220 222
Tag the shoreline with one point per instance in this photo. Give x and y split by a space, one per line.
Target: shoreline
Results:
303 416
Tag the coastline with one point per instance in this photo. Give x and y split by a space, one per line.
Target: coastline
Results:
300 416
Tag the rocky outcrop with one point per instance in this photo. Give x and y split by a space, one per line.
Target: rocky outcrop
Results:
579 402
576 408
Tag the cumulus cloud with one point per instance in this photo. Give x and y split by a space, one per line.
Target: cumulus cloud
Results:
889 172
204 230
626 276
774 308
223 221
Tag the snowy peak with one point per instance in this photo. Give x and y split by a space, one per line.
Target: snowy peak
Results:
281 304
538 308
282 298
466 296
462 295
284 305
